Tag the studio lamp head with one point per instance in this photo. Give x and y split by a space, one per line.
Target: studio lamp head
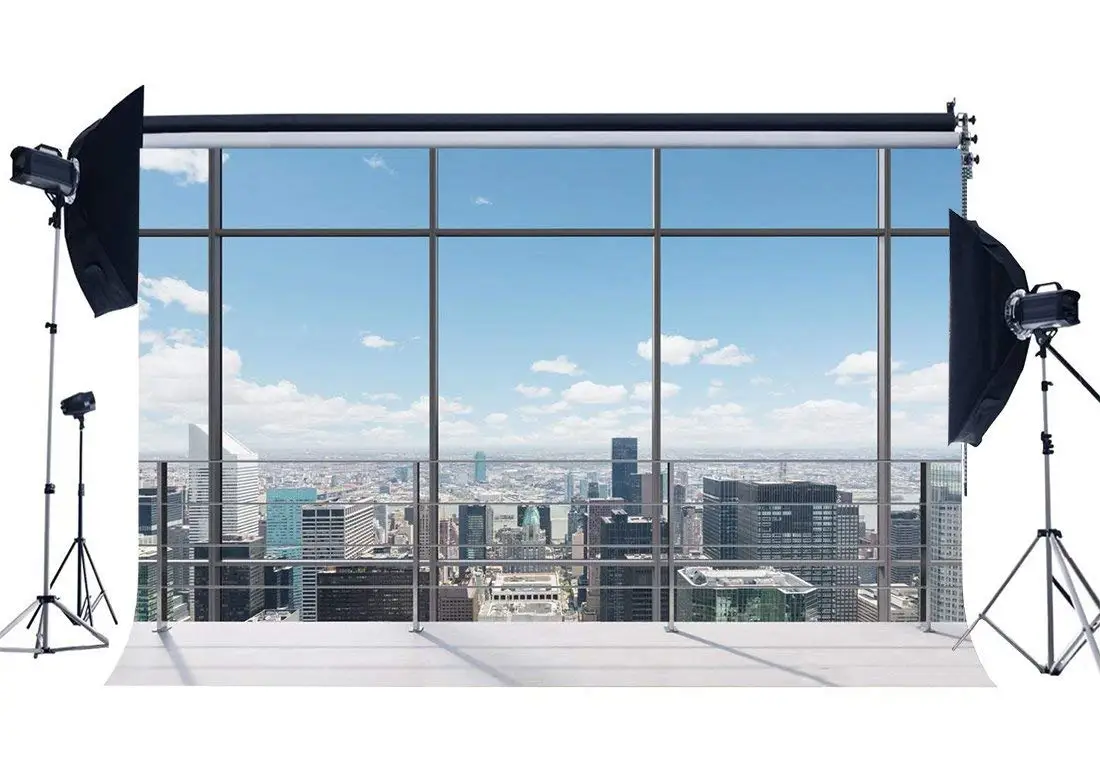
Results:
46 168
97 184
1029 312
78 405
994 314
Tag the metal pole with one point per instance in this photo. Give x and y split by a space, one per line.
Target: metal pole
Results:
214 423
1048 537
162 546
672 521
416 626
655 412
924 593
44 623
433 383
884 378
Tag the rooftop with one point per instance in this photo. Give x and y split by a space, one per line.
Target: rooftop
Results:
765 577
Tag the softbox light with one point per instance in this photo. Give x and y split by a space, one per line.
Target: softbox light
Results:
101 224
985 358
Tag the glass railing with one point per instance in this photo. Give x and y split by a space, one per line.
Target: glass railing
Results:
549 541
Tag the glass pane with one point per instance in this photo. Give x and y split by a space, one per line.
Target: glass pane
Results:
173 361
521 369
764 188
925 184
174 189
488 188
326 350
325 188
920 300
769 345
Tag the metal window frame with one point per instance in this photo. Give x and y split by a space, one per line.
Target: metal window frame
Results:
215 233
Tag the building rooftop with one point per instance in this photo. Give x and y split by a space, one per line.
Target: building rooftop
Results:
764 577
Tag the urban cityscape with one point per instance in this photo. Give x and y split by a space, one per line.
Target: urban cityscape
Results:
544 504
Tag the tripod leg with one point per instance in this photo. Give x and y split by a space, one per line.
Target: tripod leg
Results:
69 614
33 607
84 601
62 565
1086 626
102 591
997 595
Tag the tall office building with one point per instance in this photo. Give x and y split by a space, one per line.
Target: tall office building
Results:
481 474
242 586
284 531
375 593
651 502
241 492
941 491
596 510
542 518
475 531
720 519
627 593
624 453
570 488
332 531
905 547
148 509
800 521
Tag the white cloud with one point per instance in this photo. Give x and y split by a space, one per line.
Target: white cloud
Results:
377 341
377 163
926 385
644 391
727 356
761 380
558 366
858 368
530 391
715 389
381 396
676 349
143 308
481 200
587 392
173 393
169 290
189 165
824 421
496 418
530 410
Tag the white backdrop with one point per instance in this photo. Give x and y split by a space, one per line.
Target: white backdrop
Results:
1023 75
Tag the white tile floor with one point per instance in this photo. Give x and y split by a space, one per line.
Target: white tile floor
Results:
579 654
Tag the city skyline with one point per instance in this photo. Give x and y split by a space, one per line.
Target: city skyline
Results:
545 342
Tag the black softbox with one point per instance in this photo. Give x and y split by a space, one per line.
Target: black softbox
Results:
101 225
986 358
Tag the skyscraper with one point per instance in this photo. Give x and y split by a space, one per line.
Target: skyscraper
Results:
332 531
728 595
241 493
941 492
475 531
624 453
480 469
627 593
791 521
542 519
148 508
284 530
570 488
905 546
242 586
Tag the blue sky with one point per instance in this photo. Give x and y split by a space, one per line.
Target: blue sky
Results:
544 340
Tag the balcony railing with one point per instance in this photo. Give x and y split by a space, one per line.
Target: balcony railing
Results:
748 540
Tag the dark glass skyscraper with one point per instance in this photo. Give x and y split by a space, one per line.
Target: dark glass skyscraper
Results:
475 530
623 483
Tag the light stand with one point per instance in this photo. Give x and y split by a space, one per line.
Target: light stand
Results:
85 604
40 607
1055 549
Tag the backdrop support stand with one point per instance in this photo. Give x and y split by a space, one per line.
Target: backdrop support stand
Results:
40 607
1054 549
